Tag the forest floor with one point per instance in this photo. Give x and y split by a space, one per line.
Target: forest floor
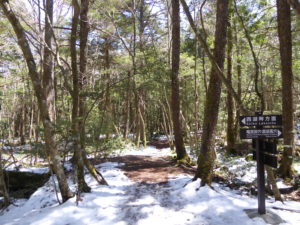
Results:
146 186
141 168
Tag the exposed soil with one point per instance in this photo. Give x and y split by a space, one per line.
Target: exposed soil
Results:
150 169
158 170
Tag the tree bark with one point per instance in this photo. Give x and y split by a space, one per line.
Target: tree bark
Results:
42 100
230 103
206 157
175 98
48 77
239 81
3 186
285 41
83 36
76 126
272 181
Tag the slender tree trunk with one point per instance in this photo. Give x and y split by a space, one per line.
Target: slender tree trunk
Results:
285 41
22 124
206 157
230 103
272 181
239 80
142 121
175 98
48 76
83 35
3 187
82 186
108 110
127 107
42 100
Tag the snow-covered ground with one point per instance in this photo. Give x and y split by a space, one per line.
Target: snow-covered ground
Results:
125 202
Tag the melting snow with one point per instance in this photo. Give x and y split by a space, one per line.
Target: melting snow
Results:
123 202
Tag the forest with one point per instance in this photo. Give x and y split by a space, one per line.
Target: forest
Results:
150 91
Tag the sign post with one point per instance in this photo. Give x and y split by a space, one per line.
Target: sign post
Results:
260 179
263 150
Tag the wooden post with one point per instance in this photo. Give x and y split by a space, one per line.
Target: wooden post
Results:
260 178
260 174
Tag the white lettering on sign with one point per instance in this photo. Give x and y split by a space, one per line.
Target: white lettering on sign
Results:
266 133
267 120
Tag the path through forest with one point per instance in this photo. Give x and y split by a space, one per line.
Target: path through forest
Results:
151 175
149 169
146 186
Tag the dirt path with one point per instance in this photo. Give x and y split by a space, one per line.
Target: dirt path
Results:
149 169
150 189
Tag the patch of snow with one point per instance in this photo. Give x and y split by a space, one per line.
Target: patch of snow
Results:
18 167
297 167
148 151
281 184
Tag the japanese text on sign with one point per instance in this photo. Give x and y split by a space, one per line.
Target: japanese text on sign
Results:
263 120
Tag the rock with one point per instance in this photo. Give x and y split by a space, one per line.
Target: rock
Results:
23 184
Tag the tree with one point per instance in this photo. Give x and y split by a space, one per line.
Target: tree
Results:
41 98
285 42
3 185
175 99
231 132
79 77
207 152
48 76
76 128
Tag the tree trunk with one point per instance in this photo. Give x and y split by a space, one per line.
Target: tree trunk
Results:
239 81
206 157
175 98
230 104
22 124
285 41
76 126
108 107
42 100
272 181
127 107
3 186
83 35
48 78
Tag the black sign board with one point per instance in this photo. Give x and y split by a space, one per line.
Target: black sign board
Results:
270 147
266 146
264 133
264 150
261 120
270 160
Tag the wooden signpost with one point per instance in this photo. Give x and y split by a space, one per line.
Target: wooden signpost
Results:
265 150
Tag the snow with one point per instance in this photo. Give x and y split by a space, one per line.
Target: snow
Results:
297 167
124 202
39 170
149 151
